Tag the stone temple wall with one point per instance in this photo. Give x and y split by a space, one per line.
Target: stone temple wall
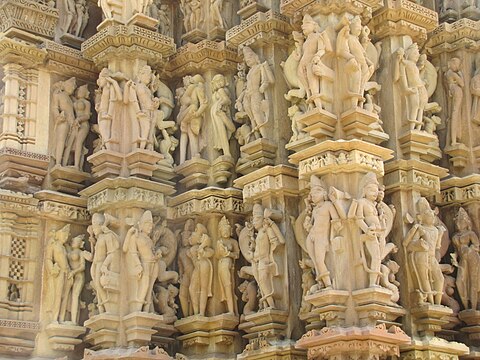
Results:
240 179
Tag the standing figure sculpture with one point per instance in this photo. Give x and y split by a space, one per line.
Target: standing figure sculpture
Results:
259 242
422 244
475 91
321 216
227 251
312 71
63 114
223 127
193 104
371 226
216 7
75 278
79 129
200 288
467 247
456 83
108 101
255 100
358 67
141 263
57 271
185 268
105 258
407 73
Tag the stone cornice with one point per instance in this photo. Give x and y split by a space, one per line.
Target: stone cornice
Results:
265 27
464 33
459 191
29 16
129 42
403 17
206 54
20 52
68 61
295 7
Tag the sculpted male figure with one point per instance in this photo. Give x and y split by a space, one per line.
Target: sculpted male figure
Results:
318 224
415 92
371 226
264 266
141 263
104 257
311 69
255 102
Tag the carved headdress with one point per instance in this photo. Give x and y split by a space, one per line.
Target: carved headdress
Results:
224 223
463 215
369 178
146 217
316 182
257 210
423 206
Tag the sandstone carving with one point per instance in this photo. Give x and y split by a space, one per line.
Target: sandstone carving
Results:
421 244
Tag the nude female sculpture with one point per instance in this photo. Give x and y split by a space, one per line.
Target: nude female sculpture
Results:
227 251
75 278
185 268
467 247
216 13
80 128
223 127
57 270
456 83
422 244
63 114
141 263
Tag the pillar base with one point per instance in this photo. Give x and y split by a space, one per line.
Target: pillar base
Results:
64 337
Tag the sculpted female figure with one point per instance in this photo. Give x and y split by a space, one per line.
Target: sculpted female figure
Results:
455 83
80 128
57 270
216 13
422 244
467 247
223 127
311 69
227 252
321 216
185 268
202 276
190 117
76 277
475 90
63 114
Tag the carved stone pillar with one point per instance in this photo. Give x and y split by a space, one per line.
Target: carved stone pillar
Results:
212 332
